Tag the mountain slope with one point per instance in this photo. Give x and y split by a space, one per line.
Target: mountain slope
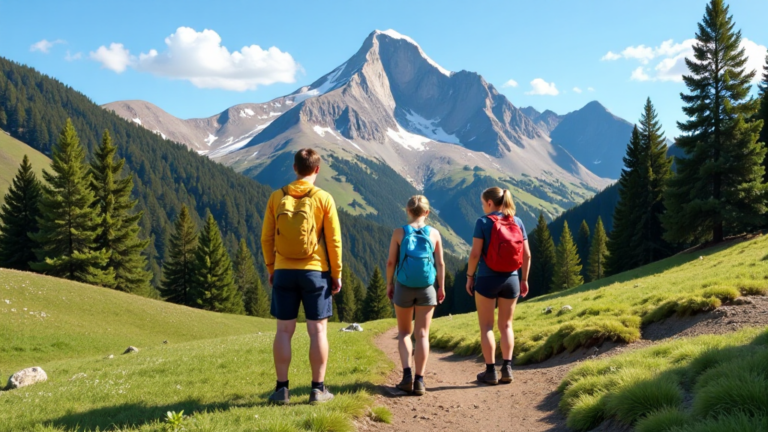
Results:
547 120
166 174
12 151
595 137
390 103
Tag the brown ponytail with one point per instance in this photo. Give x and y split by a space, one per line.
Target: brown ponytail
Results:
501 198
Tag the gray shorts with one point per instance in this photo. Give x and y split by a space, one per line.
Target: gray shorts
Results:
406 297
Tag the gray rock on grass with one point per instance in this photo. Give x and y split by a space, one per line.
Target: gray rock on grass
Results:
547 310
27 377
131 350
566 308
353 328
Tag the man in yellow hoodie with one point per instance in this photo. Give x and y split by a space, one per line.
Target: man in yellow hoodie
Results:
301 243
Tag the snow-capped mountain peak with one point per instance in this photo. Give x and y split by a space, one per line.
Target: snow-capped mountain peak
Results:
395 35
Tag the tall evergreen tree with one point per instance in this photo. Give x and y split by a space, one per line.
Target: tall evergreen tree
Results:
445 308
625 216
18 216
213 282
119 234
347 302
598 253
648 242
543 254
360 294
583 241
719 184
179 267
762 114
377 305
248 283
567 264
69 224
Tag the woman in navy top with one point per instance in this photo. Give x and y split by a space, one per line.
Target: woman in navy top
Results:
489 287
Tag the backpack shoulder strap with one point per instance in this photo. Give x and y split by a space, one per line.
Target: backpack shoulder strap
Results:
312 192
284 189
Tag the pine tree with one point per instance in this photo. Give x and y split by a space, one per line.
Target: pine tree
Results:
647 243
248 283
18 216
445 308
582 245
213 282
719 184
119 234
543 254
567 264
69 224
334 310
625 216
377 305
178 269
762 114
360 294
347 302
598 253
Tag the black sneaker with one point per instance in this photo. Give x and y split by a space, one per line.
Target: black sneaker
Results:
282 396
318 397
419 389
487 377
506 374
405 385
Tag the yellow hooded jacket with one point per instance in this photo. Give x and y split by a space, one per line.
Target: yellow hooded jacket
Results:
326 219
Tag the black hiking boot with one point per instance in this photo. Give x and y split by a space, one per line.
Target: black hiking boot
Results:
318 396
488 377
405 385
419 389
281 397
506 374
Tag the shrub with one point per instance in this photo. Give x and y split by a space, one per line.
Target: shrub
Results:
752 288
664 420
637 400
724 293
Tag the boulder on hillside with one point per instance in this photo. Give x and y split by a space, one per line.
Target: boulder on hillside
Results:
27 377
131 350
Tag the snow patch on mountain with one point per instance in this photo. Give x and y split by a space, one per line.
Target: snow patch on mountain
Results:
159 133
323 130
137 120
395 35
246 112
429 128
236 144
210 139
408 140
329 84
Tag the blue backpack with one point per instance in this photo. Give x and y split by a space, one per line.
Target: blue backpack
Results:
417 258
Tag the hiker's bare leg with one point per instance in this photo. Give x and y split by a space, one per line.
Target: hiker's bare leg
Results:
318 348
485 308
404 331
506 313
423 321
281 348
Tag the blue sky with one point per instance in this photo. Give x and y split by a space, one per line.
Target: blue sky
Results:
542 46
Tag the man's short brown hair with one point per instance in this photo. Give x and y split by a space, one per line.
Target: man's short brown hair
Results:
306 161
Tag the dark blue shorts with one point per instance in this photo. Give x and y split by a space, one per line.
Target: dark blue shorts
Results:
501 286
291 288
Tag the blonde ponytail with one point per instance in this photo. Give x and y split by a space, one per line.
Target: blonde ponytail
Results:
418 206
501 198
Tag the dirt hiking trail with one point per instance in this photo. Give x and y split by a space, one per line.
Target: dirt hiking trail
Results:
456 402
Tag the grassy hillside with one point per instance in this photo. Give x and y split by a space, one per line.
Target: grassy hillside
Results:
12 151
615 308
217 367
708 383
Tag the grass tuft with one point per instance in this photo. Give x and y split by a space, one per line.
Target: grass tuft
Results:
381 414
587 412
328 421
742 391
729 423
664 420
636 400
753 288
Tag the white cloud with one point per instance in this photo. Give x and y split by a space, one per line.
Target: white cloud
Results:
44 46
510 83
639 75
670 59
590 89
610 56
116 58
72 57
577 90
541 87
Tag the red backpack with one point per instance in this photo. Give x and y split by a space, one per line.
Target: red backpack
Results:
505 250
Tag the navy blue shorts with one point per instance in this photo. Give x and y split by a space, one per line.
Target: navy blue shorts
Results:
291 288
501 286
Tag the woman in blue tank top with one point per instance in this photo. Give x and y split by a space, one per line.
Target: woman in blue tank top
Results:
414 267
490 287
